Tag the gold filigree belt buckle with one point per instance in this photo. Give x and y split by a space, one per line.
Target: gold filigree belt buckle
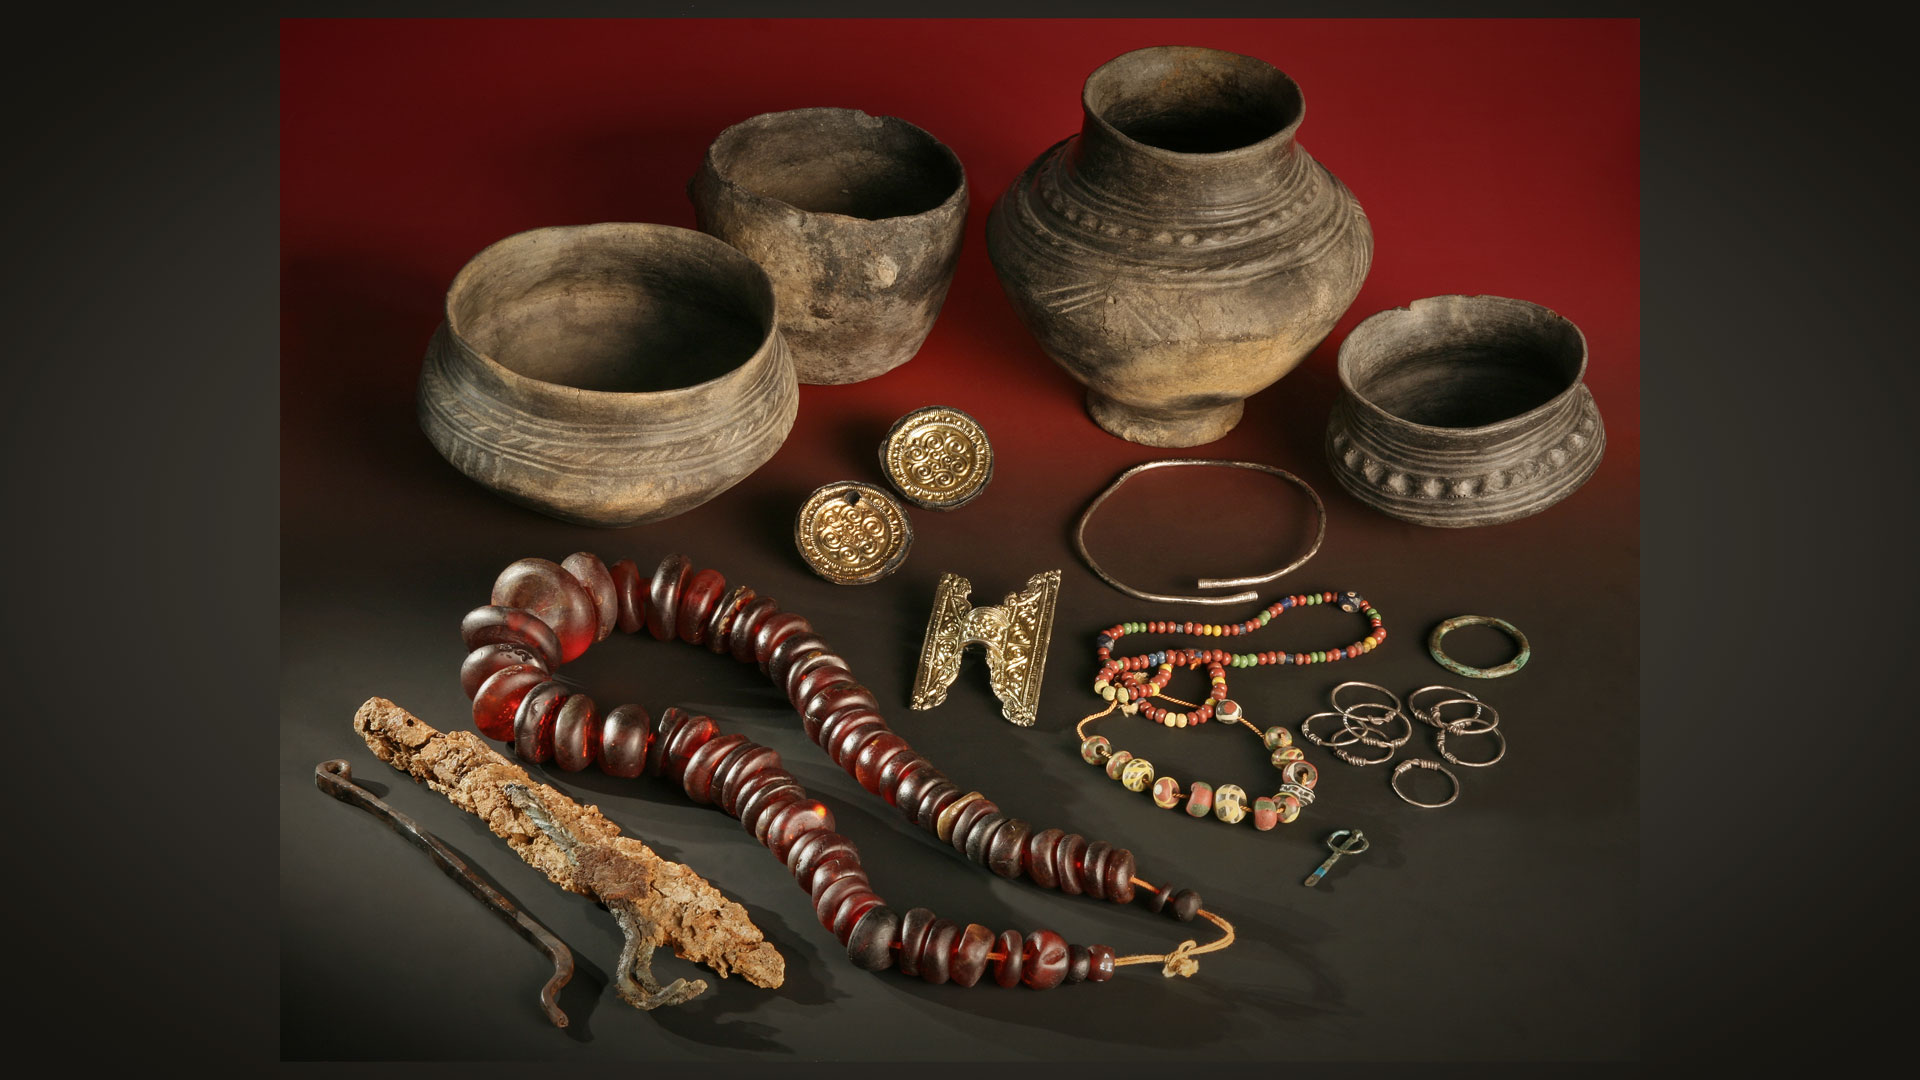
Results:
1015 635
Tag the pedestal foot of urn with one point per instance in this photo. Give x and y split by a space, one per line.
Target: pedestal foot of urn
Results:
1163 427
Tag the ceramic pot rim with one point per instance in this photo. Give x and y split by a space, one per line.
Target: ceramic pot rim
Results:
639 235
956 197
1575 385
1252 149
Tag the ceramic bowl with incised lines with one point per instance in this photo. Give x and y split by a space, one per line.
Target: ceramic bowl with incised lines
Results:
1464 410
608 374
856 218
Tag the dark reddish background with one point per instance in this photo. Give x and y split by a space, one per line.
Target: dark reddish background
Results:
1492 156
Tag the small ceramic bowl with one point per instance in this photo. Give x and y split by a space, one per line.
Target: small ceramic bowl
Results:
1464 410
608 374
856 218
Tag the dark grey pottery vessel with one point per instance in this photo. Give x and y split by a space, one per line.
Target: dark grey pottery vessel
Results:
608 374
1182 251
856 218
1464 410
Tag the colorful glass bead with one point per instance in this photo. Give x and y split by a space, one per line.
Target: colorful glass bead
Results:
1230 803
1286 754
1228 711
1095 749
1289 809
1137 774
1200 798
1166 793
1266 813
1300 772
1117 761
1276 737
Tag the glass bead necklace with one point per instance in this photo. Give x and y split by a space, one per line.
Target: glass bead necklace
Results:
1126 686
543 614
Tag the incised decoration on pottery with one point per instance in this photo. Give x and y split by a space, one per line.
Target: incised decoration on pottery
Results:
608 374
1464 410
1182 252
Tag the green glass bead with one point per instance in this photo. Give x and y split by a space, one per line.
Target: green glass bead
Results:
1276 737
1286 754
1200 799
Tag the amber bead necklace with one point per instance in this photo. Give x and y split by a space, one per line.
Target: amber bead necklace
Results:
544 614
1126 686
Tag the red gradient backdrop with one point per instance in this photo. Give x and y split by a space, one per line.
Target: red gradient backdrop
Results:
1492 156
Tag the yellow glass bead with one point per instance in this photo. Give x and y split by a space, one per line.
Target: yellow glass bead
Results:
1230 803
1286 754
1166 793
1137 774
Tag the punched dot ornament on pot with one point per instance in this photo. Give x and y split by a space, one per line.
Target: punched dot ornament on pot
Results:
1182 252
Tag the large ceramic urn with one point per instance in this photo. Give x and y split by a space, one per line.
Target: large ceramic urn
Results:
1182 252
